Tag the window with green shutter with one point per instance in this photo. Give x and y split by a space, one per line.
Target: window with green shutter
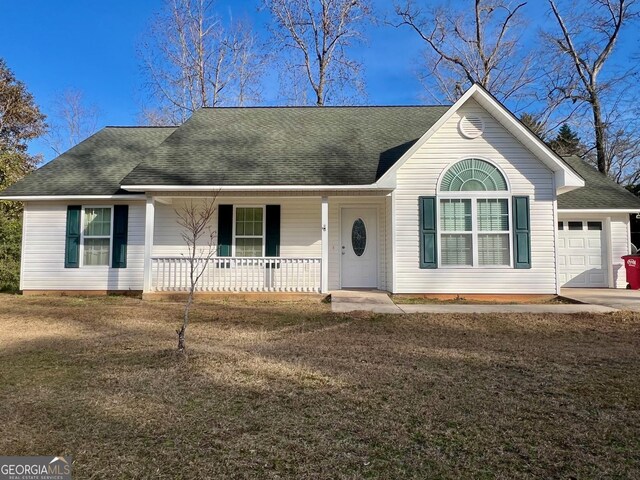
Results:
225 230
428 232
96 236
522 232
120 233
72 241
249 231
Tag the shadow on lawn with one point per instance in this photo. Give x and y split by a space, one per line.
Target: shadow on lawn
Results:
279 391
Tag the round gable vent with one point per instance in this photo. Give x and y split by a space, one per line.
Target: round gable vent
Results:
471 126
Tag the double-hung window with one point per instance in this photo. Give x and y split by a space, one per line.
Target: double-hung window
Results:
249 232
494 246
475 226
96 234
456 228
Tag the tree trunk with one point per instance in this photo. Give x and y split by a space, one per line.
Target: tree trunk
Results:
603 164
181 343
182 347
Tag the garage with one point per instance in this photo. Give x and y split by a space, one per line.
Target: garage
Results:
582 254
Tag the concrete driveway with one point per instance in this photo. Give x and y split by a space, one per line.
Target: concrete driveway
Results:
608 297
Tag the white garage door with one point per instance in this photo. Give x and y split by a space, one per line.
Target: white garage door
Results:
581 254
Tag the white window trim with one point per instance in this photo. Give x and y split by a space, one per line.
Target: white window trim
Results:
264 229
469 157
474 232
82 236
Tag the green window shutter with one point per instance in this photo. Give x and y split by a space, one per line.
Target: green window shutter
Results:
225 230
521 233
272 231
428 232
120 231
72 243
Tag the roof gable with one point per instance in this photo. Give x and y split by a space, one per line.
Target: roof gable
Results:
566 178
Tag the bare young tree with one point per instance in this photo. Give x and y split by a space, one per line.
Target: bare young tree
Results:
196 220
480 45
585 40
194 59
316 35
71 121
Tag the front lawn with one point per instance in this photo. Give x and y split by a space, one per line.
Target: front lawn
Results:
291 390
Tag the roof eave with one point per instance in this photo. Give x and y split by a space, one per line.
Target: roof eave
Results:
41 198
599 210
245 188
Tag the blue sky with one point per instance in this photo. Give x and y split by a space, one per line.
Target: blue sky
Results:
92 46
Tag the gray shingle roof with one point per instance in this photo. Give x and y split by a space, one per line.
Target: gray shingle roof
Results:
95 166
267 146
599 192
285 146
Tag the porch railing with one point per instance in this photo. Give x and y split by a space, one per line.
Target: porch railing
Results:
235 274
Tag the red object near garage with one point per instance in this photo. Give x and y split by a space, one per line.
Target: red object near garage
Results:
632 266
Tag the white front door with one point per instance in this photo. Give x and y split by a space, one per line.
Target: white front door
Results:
582 254
359 248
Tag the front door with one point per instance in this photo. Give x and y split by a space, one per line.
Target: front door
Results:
359 248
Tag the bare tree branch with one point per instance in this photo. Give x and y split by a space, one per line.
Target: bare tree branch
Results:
71 121
479 46
589 42
193 59
316 35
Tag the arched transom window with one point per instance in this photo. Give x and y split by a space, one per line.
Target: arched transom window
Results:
474 216
473 175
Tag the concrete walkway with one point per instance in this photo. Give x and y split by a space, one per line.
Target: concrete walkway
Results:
376 301
363 300
524 308
609 297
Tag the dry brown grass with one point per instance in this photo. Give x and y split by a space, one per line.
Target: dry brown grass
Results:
290 390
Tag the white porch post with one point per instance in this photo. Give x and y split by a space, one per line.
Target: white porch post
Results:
149 219
324 263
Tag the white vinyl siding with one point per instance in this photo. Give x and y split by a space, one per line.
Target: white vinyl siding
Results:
526 175
44 244
299 225
620 245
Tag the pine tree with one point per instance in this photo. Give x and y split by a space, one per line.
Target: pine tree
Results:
566 142
535 125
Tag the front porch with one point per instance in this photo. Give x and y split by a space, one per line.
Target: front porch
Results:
315 249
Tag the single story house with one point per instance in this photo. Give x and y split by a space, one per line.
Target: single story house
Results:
427 199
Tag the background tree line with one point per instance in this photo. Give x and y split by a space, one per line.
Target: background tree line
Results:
566 80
